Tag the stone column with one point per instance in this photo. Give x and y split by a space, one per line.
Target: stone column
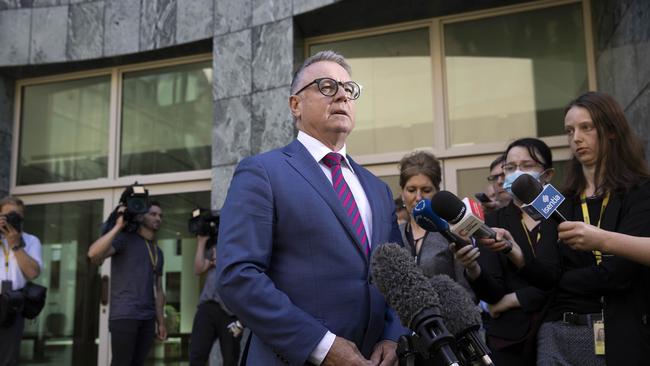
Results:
6 127
622 47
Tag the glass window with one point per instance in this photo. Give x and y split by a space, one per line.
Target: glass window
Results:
182 287
517 70
471 181
64 131
65 331
167 120
395 110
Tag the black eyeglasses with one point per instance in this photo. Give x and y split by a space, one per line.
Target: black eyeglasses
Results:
329 87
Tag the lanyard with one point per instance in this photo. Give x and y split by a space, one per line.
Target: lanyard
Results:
152 256
409 236
585 216
539 236
7 253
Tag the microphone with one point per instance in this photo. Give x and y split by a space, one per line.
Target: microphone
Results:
538 202
465 215
463 320
430 221
410 293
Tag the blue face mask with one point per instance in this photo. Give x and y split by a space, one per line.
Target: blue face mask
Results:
510 178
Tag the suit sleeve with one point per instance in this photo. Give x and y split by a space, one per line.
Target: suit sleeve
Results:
614 273
245 250
393 327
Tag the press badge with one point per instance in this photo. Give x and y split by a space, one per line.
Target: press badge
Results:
599 338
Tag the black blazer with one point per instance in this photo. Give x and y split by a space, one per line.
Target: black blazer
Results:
625 285
531 284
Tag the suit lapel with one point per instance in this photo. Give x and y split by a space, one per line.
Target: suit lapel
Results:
302 162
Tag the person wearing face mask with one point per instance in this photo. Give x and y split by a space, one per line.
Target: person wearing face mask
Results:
516 285
420 176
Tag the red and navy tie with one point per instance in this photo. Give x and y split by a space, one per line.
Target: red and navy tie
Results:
333 161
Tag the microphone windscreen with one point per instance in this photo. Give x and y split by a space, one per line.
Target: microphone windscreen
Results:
406 289
526 188
456 306
448 206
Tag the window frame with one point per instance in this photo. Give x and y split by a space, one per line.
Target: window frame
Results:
112 179
440 146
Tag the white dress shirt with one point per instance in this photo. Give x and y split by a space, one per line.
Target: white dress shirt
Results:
318 151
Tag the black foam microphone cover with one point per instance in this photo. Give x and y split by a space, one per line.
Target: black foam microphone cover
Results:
448 206
526 188
456 306
406 288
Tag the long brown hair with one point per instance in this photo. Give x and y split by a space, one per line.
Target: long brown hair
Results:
621 163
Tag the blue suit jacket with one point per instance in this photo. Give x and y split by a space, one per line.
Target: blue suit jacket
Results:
289 265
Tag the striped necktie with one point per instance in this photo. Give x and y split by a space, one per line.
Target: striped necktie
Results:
333 161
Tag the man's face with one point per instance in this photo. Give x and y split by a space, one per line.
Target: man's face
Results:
500 194
328 119
152 219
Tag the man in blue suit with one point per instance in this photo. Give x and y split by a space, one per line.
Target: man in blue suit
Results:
297 229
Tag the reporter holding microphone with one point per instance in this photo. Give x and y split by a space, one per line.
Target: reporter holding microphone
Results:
580 236
419 178
510 283
607 186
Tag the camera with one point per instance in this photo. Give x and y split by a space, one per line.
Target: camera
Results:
205 223
136 200
15 220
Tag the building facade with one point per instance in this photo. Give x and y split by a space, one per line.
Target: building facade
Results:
95 95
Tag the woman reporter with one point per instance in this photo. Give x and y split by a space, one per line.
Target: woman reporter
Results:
607 185
516 285
420 176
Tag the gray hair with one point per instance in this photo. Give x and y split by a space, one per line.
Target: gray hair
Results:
328 55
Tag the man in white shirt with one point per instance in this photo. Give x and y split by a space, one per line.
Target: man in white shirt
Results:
21 259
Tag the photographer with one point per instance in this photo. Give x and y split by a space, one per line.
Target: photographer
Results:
21 255
137 298
212 320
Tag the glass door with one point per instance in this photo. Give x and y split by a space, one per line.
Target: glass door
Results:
182 287
66 331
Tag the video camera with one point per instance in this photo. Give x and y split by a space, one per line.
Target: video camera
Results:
204 222
136 200
15 220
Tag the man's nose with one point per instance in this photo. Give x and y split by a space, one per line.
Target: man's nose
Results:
340 94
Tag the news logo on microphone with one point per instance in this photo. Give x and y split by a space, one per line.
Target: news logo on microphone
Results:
547 201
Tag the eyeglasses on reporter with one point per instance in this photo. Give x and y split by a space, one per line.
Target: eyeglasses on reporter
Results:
524 166
329 87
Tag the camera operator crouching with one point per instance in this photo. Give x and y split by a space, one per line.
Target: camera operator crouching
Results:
212 320
137 298
21 259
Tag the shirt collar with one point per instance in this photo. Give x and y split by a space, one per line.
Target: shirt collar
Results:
318 150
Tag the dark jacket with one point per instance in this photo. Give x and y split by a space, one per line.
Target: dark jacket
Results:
532 284
624 285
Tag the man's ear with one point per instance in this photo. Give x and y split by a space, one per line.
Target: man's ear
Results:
295 105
